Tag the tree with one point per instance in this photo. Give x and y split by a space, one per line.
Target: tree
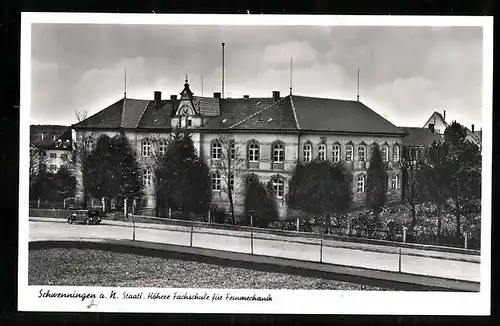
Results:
152 163
413 184
183 178
259 202
320 188
126 170
45 186
230 165
464 164
65 183
376 183
82 148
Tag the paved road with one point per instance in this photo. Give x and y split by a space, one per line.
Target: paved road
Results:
386 258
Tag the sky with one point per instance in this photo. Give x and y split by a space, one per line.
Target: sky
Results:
406 73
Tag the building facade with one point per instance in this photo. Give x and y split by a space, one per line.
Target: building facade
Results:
51 146
266 136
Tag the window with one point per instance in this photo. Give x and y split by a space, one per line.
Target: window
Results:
146 148
385 153
348 153
361 153
64 156
162 147
253 152
278 153
52 167
361 183
216 180
189 122
336 153
279 187
395 182
307 152
233 150
231 181
437 131
53 155
89 143
216 150
395 153
43 135
146 177
322 152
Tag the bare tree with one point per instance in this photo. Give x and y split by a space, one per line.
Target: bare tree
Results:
230 164
151 161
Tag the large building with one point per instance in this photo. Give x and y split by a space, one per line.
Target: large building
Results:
270 134
51 146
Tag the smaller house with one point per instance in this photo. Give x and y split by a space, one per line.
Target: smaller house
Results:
474 136
437 123
51 146
417 140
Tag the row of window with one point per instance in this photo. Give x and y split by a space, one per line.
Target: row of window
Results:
278 152
54 155
361 183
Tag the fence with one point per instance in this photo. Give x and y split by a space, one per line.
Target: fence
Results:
320 248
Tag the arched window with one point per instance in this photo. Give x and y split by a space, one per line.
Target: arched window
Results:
278 153
395 182
146 177
146 148
279 187
162 146
336 153
361 153
322 152
216 180
395 153
348 152
216 150
307 152
360 180
385 153
253 152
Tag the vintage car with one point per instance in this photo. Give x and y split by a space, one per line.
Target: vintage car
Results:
86 216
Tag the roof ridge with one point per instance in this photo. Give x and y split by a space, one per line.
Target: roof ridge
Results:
256 113
294 112
142 114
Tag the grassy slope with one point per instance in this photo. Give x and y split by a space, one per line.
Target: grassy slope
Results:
82 267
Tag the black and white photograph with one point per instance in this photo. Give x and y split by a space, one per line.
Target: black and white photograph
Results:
255 163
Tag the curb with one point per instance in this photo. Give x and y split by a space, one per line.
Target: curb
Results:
388 279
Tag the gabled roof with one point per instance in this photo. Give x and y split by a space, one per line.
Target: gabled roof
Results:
158 117
277 116
110 117
420 137
436 115
324 114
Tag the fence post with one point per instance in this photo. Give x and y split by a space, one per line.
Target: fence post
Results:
133 226
298 225
169 212
465 240
209 215
64 203
125 211
399 260
103 202
251 242
321 246
404 233
251 220
191 238
38 203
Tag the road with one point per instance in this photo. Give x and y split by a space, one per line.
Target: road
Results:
413 261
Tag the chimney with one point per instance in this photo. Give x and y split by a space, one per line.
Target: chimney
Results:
246 96
173 97
157 99
276 96
472 128
217 95
444 115
431 127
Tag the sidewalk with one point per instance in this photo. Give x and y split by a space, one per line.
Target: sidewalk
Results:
347 273
291 239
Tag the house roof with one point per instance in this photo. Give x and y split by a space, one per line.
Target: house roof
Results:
64 141
436 115
419 136
292 113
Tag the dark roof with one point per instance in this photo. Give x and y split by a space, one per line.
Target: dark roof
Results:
277 116
419 136
236 110
63 142
339 115
289 113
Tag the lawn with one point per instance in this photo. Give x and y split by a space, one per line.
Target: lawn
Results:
87 267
